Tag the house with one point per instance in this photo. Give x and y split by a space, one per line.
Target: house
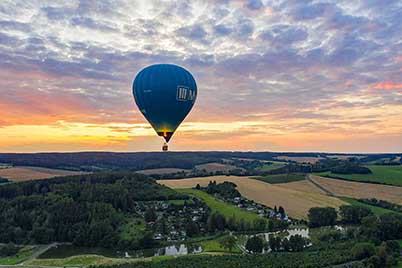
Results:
158 236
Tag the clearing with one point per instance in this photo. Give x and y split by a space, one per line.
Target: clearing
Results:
26 173
296 197
391 175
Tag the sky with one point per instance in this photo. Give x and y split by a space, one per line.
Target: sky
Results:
272 75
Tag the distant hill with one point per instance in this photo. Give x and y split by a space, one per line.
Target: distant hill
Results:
95 161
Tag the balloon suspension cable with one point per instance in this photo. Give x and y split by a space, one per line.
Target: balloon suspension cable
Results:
165 147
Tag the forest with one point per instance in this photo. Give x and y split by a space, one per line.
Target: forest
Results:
86 210
96 161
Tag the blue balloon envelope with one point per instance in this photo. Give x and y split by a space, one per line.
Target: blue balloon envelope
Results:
165 94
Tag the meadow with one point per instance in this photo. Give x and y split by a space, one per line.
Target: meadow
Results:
227 210
274 165
391 175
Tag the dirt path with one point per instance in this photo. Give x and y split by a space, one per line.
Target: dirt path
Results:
41 249
39 252
328 192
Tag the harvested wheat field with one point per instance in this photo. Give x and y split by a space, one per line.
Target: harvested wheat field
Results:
360 190
296 197
24 173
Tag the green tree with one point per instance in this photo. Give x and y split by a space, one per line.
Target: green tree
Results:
228 242
322 216
232 224
274 243
150 215
297 243
192 229
353 214
8 250
259 224
255 244
363 250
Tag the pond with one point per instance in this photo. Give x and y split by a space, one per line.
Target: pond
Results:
173 250
64 251
303 232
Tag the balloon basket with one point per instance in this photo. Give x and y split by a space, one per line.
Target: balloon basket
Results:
165 147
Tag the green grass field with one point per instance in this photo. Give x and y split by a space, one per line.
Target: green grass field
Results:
391 175
23 254
79 260
227 210
134 229
376 210
213 245
274 165
282 178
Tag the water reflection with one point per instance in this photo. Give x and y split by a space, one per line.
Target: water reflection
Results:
173 250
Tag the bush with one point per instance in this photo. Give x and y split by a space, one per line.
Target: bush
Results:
8 250
255 244
353 214
330 235
322 216
363 250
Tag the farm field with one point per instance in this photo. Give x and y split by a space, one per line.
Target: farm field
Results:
162 171
296 197
223 208
358 190
214 167
391 175
300 159
282 178
26 173
274 165
376 210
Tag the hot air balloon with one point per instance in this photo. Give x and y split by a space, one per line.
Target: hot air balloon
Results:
165 94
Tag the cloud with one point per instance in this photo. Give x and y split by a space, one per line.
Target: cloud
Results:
388 86
254 4
302 65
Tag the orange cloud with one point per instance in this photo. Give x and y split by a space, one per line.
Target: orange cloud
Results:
388 86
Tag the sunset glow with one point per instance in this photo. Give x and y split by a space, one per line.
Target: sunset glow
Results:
271 76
